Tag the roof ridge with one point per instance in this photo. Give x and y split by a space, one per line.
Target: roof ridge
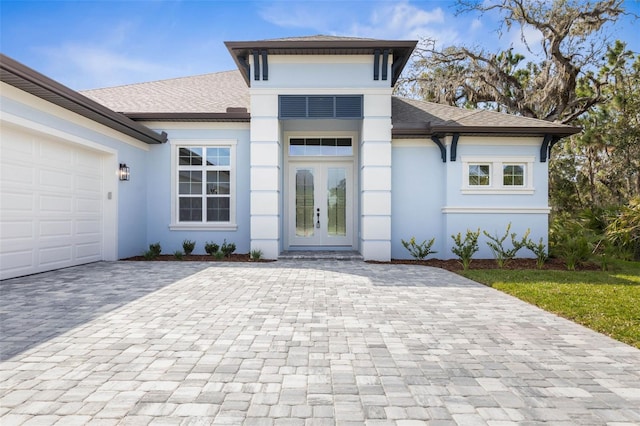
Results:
157 81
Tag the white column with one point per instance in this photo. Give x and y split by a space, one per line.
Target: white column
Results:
265 175
375 178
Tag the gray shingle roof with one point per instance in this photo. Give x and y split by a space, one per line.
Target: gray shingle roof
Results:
427 117
207 93
190 97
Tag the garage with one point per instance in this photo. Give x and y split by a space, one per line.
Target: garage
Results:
51 207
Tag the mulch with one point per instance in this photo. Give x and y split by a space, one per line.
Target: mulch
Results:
450 265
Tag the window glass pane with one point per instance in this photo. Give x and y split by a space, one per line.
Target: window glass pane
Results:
190 182
479 175
190 209
513 175
218 156
218 209
329 147
190 156
218 182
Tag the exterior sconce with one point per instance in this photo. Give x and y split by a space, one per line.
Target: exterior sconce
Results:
123 173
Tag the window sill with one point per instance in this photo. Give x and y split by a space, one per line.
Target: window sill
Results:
203 227
501 191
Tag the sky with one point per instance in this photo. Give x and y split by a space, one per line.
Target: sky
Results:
88 44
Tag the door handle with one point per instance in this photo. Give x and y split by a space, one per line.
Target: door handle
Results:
318 215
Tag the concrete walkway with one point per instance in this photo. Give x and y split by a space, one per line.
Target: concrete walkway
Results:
297 343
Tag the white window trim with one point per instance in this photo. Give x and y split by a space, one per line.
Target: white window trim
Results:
175 225
496 185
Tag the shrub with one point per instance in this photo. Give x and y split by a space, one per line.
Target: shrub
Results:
465 249
540 250
572 241
256 254
153 252
219 255
500 253
178 254
155 248
211 248
227 248
623 231
188 246
419 251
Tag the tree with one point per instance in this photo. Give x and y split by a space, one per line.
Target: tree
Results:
602 165
559 87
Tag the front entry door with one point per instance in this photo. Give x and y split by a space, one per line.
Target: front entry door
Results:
320 204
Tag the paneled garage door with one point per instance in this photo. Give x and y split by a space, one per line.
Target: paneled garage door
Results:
51 213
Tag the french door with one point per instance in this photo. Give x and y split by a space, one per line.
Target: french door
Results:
320 204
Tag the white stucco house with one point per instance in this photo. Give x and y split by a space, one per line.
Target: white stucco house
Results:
302 147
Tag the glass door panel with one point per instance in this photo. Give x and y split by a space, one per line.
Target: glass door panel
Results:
320 203
305 202
337 202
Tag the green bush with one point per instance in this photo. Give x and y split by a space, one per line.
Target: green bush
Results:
178 254
465 249
153 252
540 250
256 254
502 254
188 246
419 251
623 230
227 248
219 255
211 248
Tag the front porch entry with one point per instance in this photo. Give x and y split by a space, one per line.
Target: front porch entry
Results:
320 205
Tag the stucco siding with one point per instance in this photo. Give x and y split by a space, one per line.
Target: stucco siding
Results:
322 71
417 195
159 206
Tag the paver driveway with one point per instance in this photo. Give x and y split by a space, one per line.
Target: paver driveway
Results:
291 343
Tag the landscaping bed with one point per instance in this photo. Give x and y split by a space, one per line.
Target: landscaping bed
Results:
454 265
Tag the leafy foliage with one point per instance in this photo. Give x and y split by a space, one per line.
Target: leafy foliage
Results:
256 254
227 248
465 249
419 251
502 254
188 246
179 255
540 250
558 87
153 252
211 248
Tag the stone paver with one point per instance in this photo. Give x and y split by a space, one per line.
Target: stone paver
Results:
297 343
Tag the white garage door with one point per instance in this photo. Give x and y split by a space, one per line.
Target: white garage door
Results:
50 206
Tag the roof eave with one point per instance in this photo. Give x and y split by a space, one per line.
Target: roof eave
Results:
238 49
238 117
427 130
24 78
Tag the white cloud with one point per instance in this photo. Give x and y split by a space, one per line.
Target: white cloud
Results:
383 20
524 39
87 66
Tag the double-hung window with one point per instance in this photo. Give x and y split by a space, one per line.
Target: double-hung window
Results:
204 194
497 175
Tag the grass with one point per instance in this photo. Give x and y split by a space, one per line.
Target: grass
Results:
605 301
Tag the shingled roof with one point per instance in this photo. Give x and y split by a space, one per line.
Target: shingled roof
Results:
221 96
414 118
224 96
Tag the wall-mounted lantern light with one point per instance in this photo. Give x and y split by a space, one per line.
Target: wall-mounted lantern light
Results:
123 173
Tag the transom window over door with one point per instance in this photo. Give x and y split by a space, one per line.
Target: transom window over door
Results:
204 194
331 147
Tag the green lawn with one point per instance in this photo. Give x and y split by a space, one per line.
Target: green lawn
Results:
608 302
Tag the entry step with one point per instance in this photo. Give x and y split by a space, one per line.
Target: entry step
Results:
320 255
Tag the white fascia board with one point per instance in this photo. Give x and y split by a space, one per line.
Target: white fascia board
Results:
496 210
